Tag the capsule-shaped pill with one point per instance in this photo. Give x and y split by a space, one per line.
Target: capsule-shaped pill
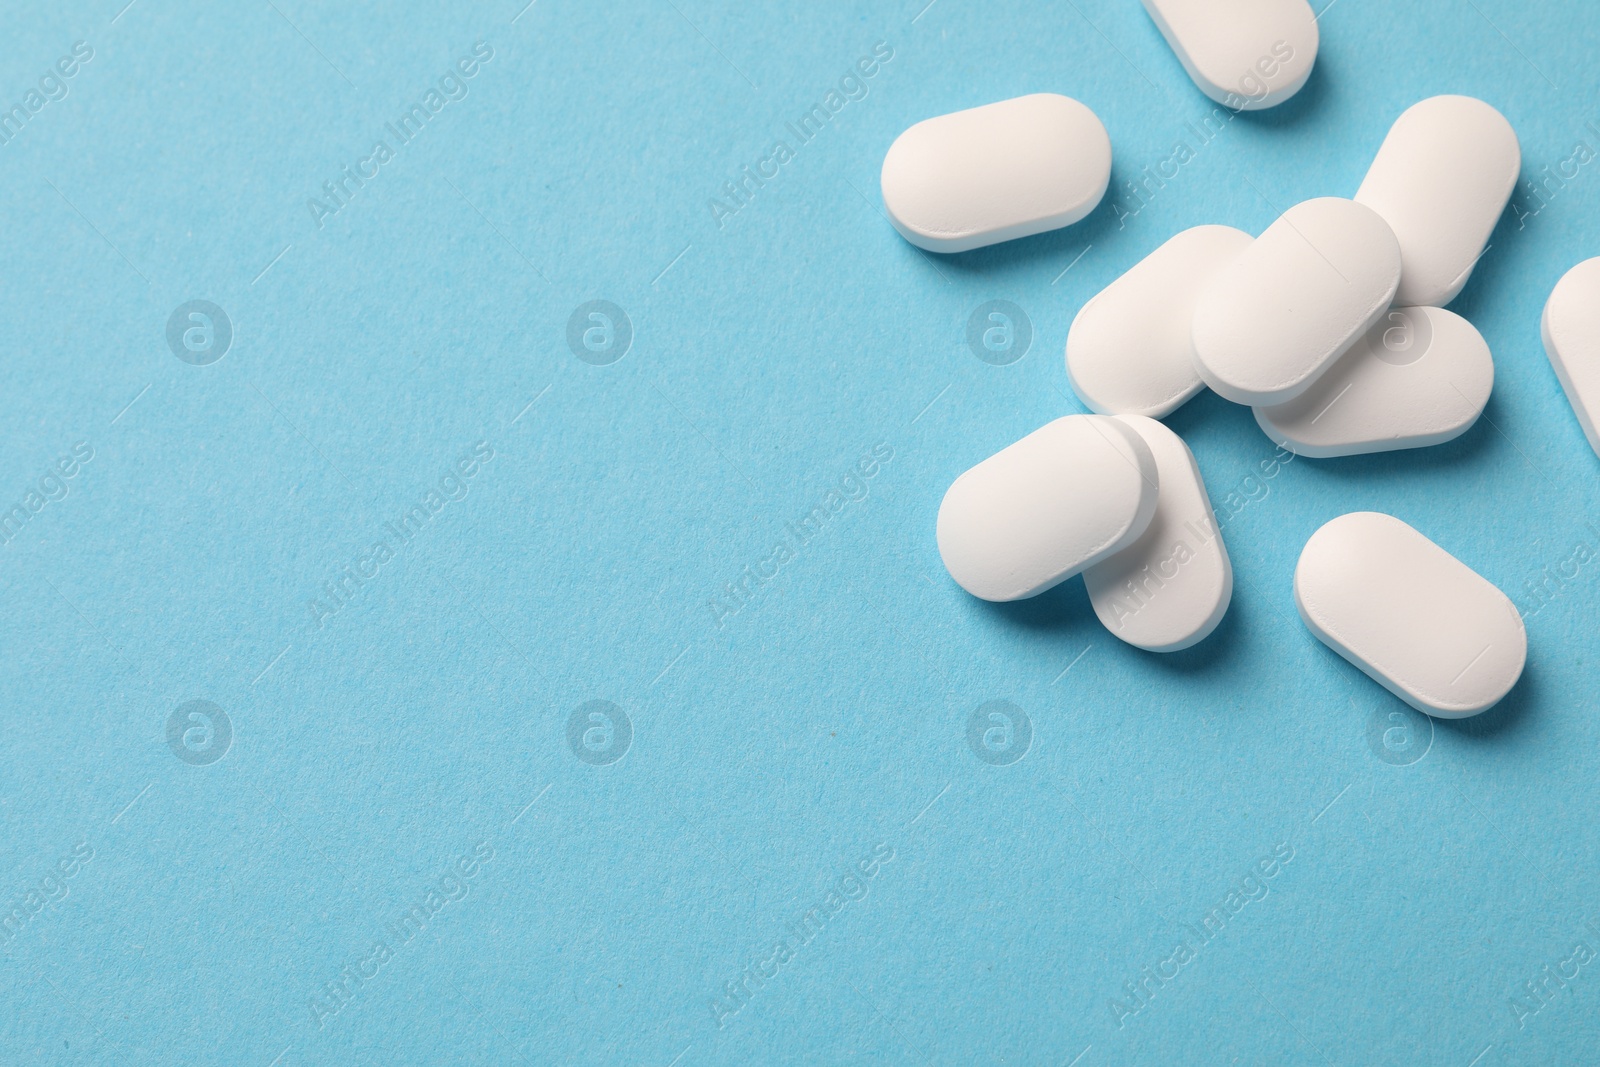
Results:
1571 329
1170 588
1037 512
1130 350
1417 620
1280 312
1420 377
1244 54
1441 180
996 172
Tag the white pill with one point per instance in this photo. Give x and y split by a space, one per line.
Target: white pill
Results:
1037 512
1571 329
1419 621
1420 377
1441 180
1279 313
1130 350
1170 588
997 172
1245 54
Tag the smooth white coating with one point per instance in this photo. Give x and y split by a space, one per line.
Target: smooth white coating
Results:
1170 588
1130 350
1416 619
1441 181
1571 329
1279 313
1037 512
997 172
1244 54
1420 377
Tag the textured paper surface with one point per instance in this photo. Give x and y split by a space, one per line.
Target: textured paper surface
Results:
412 836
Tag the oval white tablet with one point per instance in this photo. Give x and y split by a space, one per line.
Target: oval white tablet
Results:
1282 310
1130 350
997 172
1416 619
1571 329
1420 377
1170 588
1441 180
1245 54
1037 512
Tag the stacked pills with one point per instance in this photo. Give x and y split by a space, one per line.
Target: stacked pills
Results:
1330 324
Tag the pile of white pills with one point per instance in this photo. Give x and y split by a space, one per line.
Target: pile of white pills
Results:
1330 324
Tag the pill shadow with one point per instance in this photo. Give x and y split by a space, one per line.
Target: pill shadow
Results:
1220 652
1052 246
1301 108
1066 611
1206 412
1487 285
1399 464
1502 721
1062 610
1505 719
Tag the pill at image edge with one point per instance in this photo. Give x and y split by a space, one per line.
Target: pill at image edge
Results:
1039 511
1570 326
997 172
1441 180
1130 350
1279 313
1420 377
1414 618
1169 589
1244 54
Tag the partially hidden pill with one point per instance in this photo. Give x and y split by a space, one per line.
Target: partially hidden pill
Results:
1417 620
1037 512
1130 350
1420 377
996 172
1280 312
1441 181
1170 588
1571 329
1244 54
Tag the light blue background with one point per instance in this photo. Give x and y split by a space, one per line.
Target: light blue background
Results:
829 715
